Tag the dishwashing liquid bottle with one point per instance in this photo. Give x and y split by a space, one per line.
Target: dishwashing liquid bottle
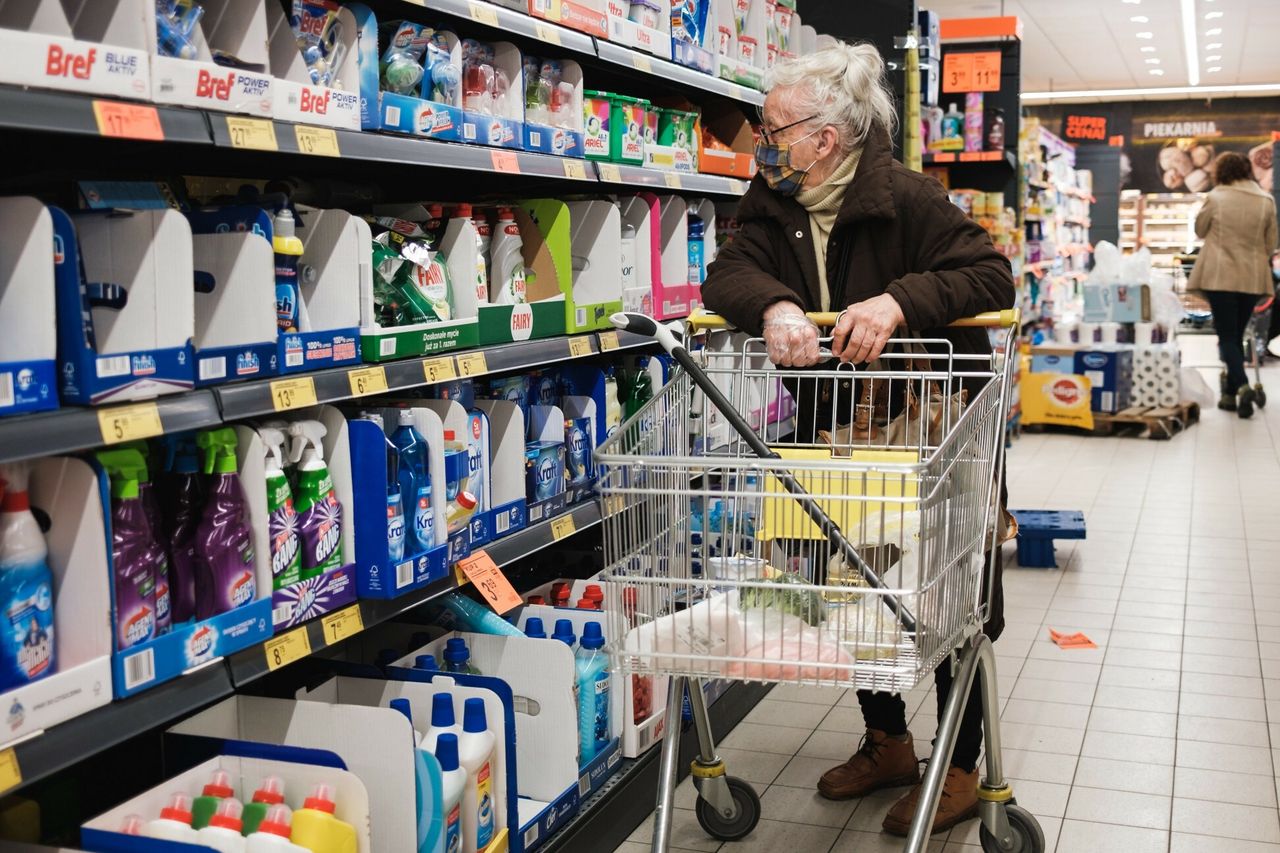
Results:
316 829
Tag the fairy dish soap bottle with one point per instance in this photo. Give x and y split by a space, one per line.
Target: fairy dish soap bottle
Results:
288 250
319 510
26 587
224 542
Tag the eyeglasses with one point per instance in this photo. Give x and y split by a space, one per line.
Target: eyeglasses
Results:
769 135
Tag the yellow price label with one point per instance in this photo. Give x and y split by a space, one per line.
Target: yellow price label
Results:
459 576
472 364
293 393
483 13
580 346
346 622
641 63
320 141
287 648
10 772
439 369
613 505
575 169
610 172
257 133
673 180
367 380
562 526
129 423
547 33
608 341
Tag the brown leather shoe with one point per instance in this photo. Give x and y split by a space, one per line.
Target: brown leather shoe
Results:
880 762
959 803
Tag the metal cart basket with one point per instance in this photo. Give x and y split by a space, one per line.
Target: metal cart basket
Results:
825 526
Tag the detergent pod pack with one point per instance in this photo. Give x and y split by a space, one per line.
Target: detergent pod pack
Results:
493 94
216 62
101 49
544 464
553 118
641 24
692 25
315 63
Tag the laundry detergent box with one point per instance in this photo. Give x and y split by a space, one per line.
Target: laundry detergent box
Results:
183 66
1110 375
28 329
553 117
97 47
642 25
315 64
493 114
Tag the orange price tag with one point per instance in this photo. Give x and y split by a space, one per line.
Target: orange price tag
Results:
490 581
505 161
130 121
1071 641
986 71
971 72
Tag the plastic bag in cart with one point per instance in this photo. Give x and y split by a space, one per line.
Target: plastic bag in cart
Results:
783 647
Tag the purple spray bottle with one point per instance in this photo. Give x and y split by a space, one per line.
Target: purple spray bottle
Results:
133 571
148 494
224 543
185 500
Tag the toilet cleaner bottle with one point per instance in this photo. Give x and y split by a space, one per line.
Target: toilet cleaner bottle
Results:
272 834
132 567
174 822
282 517
453 783
315 827
319 510
288 250
443 721
269 793
26 586
223 833
224 541
475 754
217 789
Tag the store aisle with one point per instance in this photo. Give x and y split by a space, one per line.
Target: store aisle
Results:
1158 740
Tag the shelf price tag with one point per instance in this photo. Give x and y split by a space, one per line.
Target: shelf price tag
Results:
673 180
10 773
346 622
460 577
482 571
547 33
562 526
472 364
439 369
256 133
575 169
505 161
608 341
320 141
287 648
129 423
367 380
293 393
610 172
971 72
640 62
482 13
579 346
128 121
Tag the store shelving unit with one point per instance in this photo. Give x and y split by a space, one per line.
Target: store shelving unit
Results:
1057 222
1162 222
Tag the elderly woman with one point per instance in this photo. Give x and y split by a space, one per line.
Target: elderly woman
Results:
1238 224
833 222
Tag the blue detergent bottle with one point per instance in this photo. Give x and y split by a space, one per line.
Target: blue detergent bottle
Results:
457 657
592 666
564 633
426 663
415 484
26 587
534 630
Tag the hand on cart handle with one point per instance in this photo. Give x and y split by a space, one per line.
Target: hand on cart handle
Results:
701 320
864 328
790 337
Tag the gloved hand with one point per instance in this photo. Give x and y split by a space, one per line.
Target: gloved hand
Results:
790 336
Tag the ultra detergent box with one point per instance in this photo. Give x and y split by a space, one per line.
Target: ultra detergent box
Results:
1110 375
28 329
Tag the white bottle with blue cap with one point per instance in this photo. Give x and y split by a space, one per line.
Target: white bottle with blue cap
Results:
475 753
443 720
454 781
534 630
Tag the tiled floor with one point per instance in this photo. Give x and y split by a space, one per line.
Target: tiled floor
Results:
1158 740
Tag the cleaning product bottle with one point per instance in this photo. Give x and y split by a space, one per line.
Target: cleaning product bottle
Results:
186 501
592 666
696 266
415 481
952 123
484 241
641 387
612 404
560 591
454 782
270 793
282 521
475 754
155 523
174 823
402 705
319 510
564 633
224 542
595 595
457 657
463 211
973 119
27 649
133 571
586 604
272 833
223 832
288 249
461 503
533 628
217 789
133 824
507 280
426 663
315 827
627 254
443 721
995 130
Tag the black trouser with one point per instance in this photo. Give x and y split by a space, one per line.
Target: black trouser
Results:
887 712
1231 312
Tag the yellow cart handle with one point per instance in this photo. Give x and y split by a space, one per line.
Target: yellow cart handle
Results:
702 320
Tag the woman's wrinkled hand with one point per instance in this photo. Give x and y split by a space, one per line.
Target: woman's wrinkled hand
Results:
865 327
790 336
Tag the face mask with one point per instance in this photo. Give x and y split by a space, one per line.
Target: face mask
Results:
773 161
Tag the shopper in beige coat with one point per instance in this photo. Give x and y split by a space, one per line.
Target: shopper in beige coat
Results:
1238 225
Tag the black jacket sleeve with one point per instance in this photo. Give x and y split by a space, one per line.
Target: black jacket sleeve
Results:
743 279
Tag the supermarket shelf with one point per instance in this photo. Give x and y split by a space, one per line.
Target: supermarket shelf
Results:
510 21
63 112
971 158
674 72
637 176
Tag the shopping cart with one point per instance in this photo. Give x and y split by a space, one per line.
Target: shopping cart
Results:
847 553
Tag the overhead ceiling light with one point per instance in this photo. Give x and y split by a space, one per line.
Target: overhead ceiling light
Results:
1189 41
1132 2
1216 31
1209 16
1148 48
1145 35
1212 46
1139 19
1105 95
1214 69
1153 62
1158 72
1214 58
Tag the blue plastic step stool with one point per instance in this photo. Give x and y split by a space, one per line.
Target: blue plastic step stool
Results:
1038 528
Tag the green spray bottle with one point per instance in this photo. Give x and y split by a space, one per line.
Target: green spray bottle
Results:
282 518
319 511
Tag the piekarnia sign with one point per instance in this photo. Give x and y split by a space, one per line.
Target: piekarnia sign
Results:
1179 129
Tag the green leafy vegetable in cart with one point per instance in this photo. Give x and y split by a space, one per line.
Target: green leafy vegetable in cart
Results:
790 594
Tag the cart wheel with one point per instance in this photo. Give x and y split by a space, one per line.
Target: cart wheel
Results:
1260 396
746 813
1028 837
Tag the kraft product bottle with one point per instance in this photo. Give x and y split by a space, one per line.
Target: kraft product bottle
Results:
27 648
475 754
174 822
217 789
269 793
454 782
415 484
224 830
443 721
288 249
592 666
272 834
224 542
315 827
186 501
319 510
132 560
507 278
457 657
282 518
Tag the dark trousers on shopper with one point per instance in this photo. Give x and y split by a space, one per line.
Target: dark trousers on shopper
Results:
1231 312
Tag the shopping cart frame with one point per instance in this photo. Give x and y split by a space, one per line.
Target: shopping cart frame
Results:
728 808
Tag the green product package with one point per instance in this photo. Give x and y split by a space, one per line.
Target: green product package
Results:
279 506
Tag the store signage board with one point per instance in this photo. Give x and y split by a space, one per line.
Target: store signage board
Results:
1084 128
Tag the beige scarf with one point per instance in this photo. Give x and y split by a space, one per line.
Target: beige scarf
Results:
823 204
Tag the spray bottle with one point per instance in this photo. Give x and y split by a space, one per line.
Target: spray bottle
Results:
26 587
319 511
315 827
224 541
282 523
186 499
155 521
133 570
288 249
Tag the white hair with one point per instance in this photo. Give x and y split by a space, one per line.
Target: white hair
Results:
843 85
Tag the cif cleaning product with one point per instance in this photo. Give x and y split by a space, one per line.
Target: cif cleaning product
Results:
319 510
272 833
174 822
288 249
27 650
223 833
224 541
507 279
592 666
132 558
316 829
269 793
185 503
454 782
217 789
475 754
282 518
415 482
